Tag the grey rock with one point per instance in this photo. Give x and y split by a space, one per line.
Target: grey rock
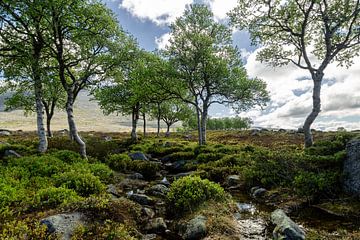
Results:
64 224
156 225
351 168
148 212
285 227
111 188
246 208
11 153
233 180
257 192
180 175
251 229
158 190
4 132
195 229
142 199
136 176
138 156
254 132
175 167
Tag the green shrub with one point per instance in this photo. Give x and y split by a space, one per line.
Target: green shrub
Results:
24 229
19 148
68 156
45 165
119 162
324 184
146 168
84 184
179 156
52 197
217 174
209 157
161 151
102 171
188 193
234 160
203 149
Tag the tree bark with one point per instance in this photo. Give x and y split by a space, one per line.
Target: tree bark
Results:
48 126
204 116
72 126
144 126
43 143
199 126
158 120
308 138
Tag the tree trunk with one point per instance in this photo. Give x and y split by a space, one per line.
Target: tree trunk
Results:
167 134
158 120
72 126
43 143
48 126
308 139
144 126
199 126
134 123
204 116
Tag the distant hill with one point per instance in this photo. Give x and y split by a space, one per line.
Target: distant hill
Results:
88 116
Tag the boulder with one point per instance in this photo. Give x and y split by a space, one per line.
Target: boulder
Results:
156 225
352 168
175 167
138 156
165 182
64 224
195 229
158 190
285 227
142 199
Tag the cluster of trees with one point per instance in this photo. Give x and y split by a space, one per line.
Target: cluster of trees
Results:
51 50
224 123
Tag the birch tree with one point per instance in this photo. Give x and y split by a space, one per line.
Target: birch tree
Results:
310 34
208 66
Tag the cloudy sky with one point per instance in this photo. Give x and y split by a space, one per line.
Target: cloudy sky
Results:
290 87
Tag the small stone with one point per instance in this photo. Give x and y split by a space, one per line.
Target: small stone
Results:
4 132
136 176
138 156
156 225
142 199
258 193
112 190
165 182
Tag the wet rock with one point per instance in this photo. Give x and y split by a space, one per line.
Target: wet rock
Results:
352 168
4 132
64 224
136 176
246 208
158 190
258 192
285 227
194 229
111 188
138 156
165 182
142 199
156 225
11 153
233 180
148 212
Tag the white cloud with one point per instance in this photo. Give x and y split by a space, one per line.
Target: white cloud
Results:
161 12
220 7
162 41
